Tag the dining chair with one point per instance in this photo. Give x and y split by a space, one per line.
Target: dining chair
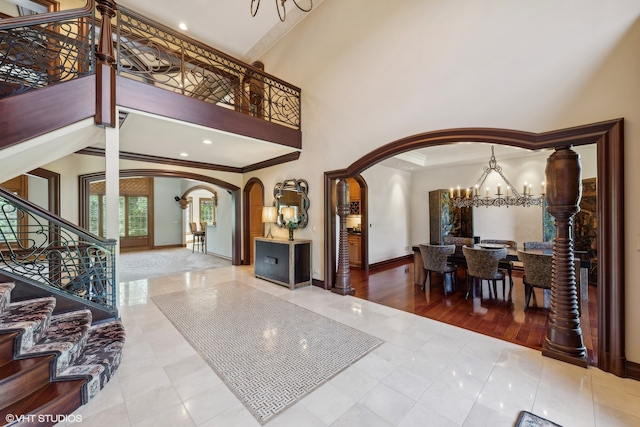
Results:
507 265
198 237
434 258
482 264
457 241
203 227
537 273
510 243
538 245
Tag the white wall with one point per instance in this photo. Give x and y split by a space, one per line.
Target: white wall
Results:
219 236
387 70
167 225
389 214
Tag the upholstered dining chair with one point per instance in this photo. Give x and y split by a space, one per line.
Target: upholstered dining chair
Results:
457 241
198 237
510 243
537 273
434 258
538 245
482 264
507 265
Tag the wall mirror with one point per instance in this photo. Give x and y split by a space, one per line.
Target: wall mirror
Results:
292 202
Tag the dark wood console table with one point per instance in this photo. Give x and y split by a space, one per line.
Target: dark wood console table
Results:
285 262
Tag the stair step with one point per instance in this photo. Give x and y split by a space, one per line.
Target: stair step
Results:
19 377
100 358
30 318
6 347
66 336
5 294
51 400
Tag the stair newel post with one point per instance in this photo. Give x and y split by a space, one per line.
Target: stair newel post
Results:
343 276
564 191
105 71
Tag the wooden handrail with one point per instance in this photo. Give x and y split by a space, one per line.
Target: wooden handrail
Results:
61 222
45 18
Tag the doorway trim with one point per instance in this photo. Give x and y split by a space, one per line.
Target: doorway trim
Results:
246 226
609 139
85 180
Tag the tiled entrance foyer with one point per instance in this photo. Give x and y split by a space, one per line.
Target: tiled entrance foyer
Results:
427 373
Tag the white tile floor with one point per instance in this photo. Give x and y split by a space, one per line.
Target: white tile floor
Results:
427 373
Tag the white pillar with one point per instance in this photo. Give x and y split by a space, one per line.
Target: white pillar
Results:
112 184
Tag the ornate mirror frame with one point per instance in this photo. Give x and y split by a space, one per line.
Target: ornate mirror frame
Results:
301 187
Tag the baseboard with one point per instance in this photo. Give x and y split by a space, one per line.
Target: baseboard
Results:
177 245
633 370
318 283
390 262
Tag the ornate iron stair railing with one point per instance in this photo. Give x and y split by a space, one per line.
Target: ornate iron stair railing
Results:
39 247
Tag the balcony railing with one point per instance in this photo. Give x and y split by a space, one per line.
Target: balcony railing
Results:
154 54
42 50
38 247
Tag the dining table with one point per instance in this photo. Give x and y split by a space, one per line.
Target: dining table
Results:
582 262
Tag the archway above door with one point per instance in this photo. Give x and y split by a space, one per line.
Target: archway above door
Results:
85 180
609 139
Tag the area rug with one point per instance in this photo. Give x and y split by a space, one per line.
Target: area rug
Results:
527 419
268 351
162 262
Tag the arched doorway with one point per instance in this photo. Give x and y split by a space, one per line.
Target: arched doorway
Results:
253 200
85 181
609 139
194 211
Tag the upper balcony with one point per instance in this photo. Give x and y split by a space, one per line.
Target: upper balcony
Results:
158 70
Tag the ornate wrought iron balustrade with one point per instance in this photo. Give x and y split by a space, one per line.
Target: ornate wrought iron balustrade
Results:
154 54
50 51
39 247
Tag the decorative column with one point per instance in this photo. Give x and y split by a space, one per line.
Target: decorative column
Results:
105 71
564 191
342 284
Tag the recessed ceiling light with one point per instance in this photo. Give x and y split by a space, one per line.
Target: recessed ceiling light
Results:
207 141
184 154
183 26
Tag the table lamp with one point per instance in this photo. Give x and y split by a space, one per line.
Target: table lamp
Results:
269 216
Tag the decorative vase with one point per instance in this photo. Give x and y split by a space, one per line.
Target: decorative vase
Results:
291 234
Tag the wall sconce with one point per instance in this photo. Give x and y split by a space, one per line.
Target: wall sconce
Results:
269 215
177 198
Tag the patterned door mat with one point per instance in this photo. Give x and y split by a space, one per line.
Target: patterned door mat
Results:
527 419
268 351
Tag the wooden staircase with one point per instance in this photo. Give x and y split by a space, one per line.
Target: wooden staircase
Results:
51 364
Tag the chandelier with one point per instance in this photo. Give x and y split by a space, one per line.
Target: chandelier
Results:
471 197
280 6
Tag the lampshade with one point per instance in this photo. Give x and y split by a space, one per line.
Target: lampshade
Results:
287 213
269 214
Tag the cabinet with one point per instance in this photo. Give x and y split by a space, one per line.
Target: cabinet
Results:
354 247
447 220
285 262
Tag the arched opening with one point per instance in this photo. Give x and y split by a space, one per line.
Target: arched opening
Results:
200 212
253 200
609 140
85 181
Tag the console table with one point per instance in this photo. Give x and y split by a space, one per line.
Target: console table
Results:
285 262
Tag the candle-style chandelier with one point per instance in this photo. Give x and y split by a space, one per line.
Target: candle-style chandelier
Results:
280 6
511 197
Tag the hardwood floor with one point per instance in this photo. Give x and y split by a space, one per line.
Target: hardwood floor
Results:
393 286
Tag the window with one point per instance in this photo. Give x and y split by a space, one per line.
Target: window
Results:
206 211
133 215
9 223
